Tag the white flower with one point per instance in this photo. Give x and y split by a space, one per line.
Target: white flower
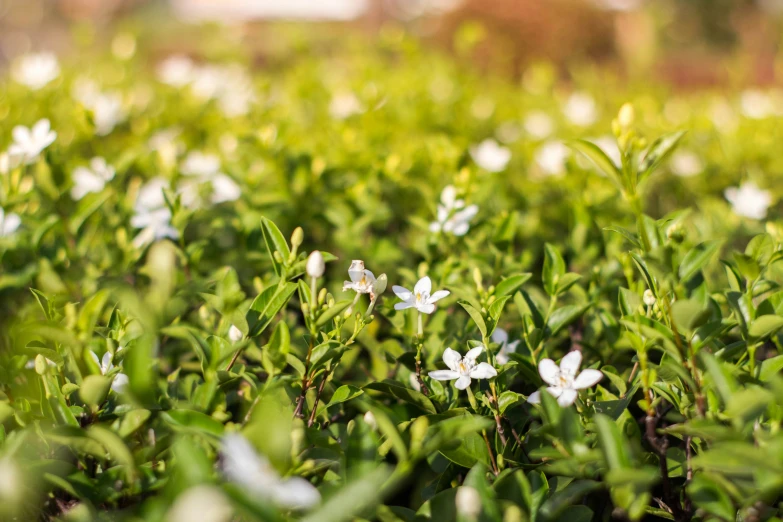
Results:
235 334
685 163
500 336
203 503
176 71
29 143
539 125
152 215
564 382
197 163
452 215
252 471
120 380
344 105
224 188
315 265
756 104
167 146
463 368
362 280
107 112
648 297
369 418
490 156
468 502
92 178
580 109
35 70
84 90
8 223
551 158
749 200
414 382
420 298
207 82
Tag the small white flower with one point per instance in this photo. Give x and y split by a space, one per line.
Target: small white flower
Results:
468 502
421 299
107 112
453 217
207 82
29 143
500 336
686 163
243 465
315 264
551 158
120 380
224 189
167 146
35 70
235 334
564 382
414 382
539 125
749 200
463 368
30 365
152 215
756 104
85 90
648 297
203 503
369 418
197 163
490 156
344 105
580 109
362 280
176 71
8 223
91 179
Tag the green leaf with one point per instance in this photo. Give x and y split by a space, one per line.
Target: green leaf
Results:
599 159
659 150
564 316
344 394
467 451
511 284
116 448
697 258
267 305
689 314
710 496
627 234
396 390
353 498
764 326
554 268
94 389
476 316
275 241
612 443
193 421
333 311
279 345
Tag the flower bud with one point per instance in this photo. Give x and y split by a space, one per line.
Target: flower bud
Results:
322 296
40 364
649 297
235 334
369 418
297 237
379 286
626 116
315 264
468 502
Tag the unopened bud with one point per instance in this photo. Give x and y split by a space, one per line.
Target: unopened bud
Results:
235 334
305 308
477 278
626 116
369 418
468 502
379 286
649 297
40 364
322 296
315 263
277 256
297 237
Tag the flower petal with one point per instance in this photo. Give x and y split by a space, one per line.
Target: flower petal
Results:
120 383
483 371
512 347
423 286
462 383
402 292
95 358
296 493
534 398
499 336
473 354
106 364
549 371
567 398
443 375
426 308
571 362
402 306
587 378
451 358
437 296
555 391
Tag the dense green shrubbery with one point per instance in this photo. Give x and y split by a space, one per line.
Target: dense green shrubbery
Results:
158 300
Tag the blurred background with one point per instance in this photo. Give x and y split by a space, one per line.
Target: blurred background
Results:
684 43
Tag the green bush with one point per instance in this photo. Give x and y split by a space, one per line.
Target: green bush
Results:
178 343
